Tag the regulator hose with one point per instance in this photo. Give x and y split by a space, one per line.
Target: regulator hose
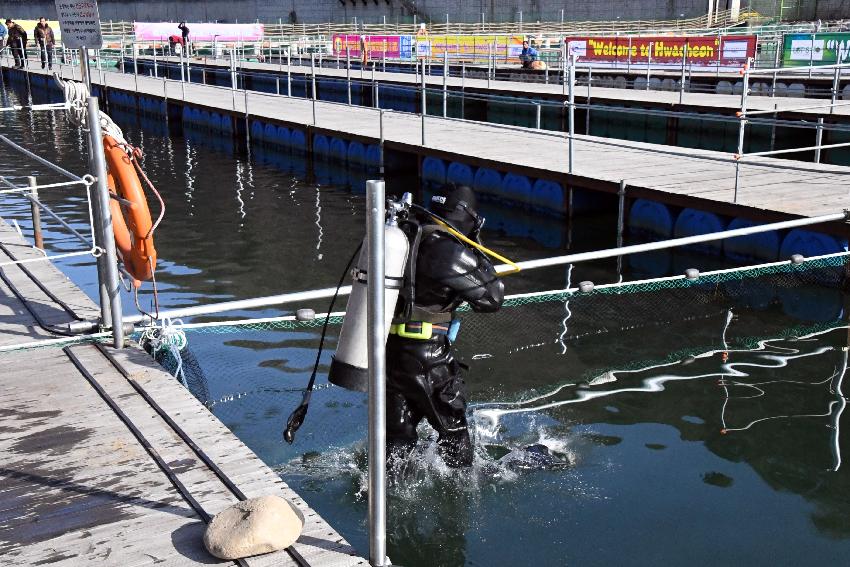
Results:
296 418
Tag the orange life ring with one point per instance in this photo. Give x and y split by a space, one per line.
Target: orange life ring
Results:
131 223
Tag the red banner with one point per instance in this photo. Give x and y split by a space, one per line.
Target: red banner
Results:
706 51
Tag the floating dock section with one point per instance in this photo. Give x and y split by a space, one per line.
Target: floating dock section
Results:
106 458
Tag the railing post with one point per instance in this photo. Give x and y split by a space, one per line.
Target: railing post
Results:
313 83
155 69
381 143
682 82
818 138
571 111
773 85
423 102
564 65
445 76
36 213
348 73
621 221
113 285
836 79
742 126
289 72
649 63
376 344
537 118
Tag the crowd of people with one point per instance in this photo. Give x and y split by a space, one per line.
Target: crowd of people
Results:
17 38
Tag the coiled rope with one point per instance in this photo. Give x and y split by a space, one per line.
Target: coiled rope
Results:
76 95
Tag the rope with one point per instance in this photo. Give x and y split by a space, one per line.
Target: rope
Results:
76 96
167 337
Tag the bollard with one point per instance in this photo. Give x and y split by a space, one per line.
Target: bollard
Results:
36 214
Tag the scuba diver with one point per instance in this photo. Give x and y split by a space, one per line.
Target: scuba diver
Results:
423 378
434 263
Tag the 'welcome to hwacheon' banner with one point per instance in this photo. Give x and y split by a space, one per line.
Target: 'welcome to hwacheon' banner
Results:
702 51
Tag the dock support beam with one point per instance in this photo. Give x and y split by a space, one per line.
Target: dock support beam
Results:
377 374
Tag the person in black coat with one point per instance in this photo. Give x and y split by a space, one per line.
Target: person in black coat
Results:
17 42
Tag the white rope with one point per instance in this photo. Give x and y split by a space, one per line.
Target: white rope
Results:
167 337
76 96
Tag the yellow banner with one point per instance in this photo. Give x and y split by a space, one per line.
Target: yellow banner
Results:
469 45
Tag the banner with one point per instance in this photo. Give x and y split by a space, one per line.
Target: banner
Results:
470 46
704 51
158 31
377 46
424 45
802 50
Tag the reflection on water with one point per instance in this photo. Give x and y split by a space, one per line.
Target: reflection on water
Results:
693 426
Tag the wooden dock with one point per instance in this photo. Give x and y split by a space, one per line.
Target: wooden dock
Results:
106 458
697 102
768 188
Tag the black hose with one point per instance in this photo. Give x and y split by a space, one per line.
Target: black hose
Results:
296 418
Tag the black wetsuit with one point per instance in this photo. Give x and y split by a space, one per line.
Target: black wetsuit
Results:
423 377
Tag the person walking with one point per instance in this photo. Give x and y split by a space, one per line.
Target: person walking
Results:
17 42
46 42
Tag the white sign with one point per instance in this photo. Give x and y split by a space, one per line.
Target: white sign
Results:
80 23
807 49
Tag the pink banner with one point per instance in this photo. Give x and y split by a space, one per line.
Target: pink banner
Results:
150 31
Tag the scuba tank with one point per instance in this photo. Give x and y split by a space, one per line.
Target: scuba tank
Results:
350 362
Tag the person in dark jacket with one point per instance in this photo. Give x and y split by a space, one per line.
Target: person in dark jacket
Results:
45 41
423 377
184 33
17 42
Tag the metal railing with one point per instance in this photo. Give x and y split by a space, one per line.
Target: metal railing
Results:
101 244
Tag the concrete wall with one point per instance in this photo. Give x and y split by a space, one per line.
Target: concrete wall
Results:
373 11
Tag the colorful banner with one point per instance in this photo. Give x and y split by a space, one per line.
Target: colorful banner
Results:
469 46
802 50
706 51
424 45
377 46
158 31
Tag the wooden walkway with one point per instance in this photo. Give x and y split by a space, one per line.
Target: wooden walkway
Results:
78 484
769 188
704 102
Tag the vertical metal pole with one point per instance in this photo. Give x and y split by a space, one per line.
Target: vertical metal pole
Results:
348 73
621 218
445 75
564 64
744 93
682 82
773 86
113 285
100 261
572 107
537 116
811 55
381 143
36 214
424 109
648 63
629 59
289 72
818 139
155 69
489 62
587 111
376 343
836 79
313 83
